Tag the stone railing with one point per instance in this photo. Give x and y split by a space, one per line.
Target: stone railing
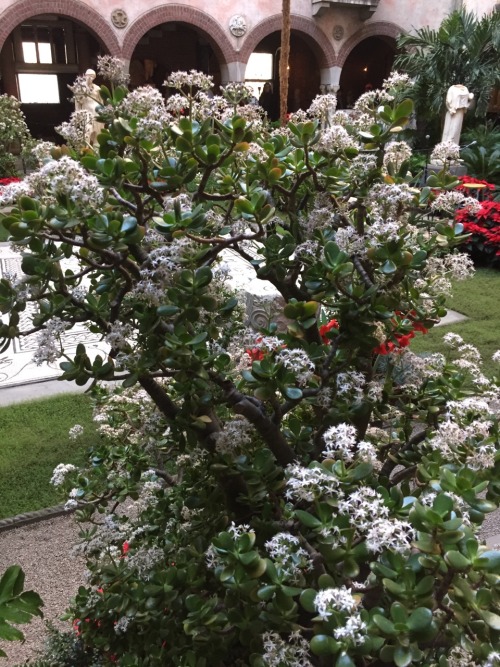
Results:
366 7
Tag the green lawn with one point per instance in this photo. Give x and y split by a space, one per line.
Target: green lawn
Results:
479 299
33 440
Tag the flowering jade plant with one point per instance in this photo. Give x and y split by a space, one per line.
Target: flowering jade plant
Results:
306 494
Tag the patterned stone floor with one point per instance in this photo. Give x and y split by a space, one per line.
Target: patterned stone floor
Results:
16 363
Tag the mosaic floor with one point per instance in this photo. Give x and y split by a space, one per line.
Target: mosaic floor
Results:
16 363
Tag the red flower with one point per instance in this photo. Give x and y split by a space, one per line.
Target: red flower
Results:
255 353
325 328
8 180
125 548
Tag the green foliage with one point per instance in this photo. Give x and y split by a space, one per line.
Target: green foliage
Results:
65 649
16 606
14 134
34 440
464 50
311 491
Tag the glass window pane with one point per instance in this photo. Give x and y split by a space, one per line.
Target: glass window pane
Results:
29 52
45 52
260 66
39 88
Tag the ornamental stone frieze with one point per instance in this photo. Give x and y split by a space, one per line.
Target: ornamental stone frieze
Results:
366 7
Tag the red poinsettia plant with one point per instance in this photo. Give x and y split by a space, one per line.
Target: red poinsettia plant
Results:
484 226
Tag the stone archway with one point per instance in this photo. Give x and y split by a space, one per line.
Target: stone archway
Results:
73 9
308 30
366 59
192 18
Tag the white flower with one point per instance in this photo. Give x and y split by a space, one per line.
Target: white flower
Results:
75 432
280 653
395 153
297 361
112 69
334 599
310 483
49 341
336 139
390 534
285 550
235 436
340 439
446 151
60 473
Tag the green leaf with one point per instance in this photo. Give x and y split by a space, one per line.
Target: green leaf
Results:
491 619
456 560
402 656
307 519
293 393
344 661
11 583
420 619
320 645
384 624
307 598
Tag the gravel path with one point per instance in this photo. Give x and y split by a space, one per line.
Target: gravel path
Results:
43 551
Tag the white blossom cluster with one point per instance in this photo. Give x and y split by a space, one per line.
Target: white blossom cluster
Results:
336 139
298 362
445 151
334 601
112 69
310 483
119 335
372 100
235 436
75 431
413 370
350 384
49 344
467 444
349 241
390 534
281 653
285 550
320 217
192 79
448 202
397 81
76 130
59 473
144 560
395 154
67 178
389 200
142 101
323 107
340 439
41 151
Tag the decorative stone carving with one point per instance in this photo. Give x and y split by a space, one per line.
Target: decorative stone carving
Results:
237 25
119 18
338 32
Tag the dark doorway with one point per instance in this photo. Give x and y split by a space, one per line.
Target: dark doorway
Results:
40 58
368 64
305 75
171 47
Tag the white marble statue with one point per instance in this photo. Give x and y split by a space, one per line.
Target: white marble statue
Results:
89 101
457 102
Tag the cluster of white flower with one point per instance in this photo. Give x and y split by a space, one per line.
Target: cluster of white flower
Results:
191 79
413 370
389 200
364 506
353 630
142 101
60 473
67 178
235 436
372 99
297 361
336 139
236 92
493 660
460 657
323 107
122 624
360 167
77 129
285 550
395 154
307 251
321 216
112 69
144 560
41 151
350 384
349 241
448 202
397 82
9 194
153 125
281 653
119 335
330 600
390 534
310 483
75 431
464 443
340 439
445 151
49 344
